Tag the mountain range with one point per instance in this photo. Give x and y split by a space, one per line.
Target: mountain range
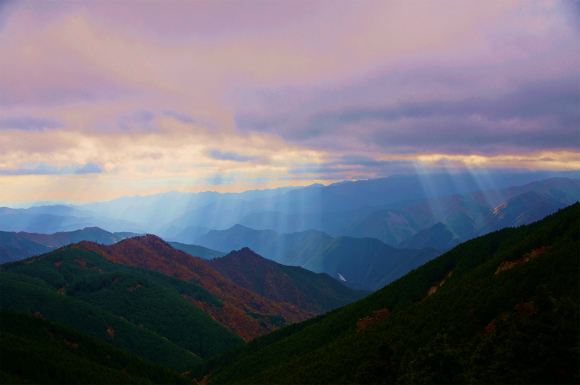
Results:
244 311
403 279
500 308
338 209
409 233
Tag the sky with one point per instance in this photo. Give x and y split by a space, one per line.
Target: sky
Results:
103 99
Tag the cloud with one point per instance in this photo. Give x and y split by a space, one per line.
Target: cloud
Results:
47 169
179 116
141 120
217 154
89 168
528 117
186 94
29 123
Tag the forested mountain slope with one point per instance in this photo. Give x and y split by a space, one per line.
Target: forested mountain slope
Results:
501 308
40 352
240 310
307 290
140 311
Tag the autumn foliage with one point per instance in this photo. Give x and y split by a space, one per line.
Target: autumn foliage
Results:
240 306
506 265
374 319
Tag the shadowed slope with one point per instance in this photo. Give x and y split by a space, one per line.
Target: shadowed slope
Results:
314 292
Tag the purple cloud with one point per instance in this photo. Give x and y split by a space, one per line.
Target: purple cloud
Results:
348 167
532 116
179 116
29 123
141 120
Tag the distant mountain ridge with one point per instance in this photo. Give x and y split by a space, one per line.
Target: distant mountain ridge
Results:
330 209
470 215
16 246
197 251
58 218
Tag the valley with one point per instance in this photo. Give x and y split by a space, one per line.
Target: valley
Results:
279 303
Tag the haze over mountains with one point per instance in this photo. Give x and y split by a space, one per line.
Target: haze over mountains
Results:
338 209
364 233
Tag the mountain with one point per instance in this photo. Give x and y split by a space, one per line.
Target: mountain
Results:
176 204
239 236
520 210
437 237
367 261
143 312
197 251
245 313
50 219
357 262
19 220
317 293
179 234
390 220
500 308
37 351
295 208
338 209
16 246
469 215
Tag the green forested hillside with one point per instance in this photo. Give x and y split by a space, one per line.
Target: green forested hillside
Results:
37 351
505 311
138 310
